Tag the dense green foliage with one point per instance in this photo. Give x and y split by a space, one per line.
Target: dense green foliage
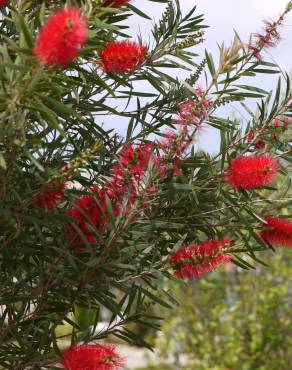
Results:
52 131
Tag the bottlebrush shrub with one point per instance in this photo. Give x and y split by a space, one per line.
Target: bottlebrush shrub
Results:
93 220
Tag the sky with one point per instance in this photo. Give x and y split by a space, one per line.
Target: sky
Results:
245 16
223 17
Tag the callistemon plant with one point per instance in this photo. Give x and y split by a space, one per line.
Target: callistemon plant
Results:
93 219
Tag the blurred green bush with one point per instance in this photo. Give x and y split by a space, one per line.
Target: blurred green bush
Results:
232 320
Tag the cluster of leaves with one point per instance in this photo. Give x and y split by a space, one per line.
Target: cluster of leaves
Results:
51 118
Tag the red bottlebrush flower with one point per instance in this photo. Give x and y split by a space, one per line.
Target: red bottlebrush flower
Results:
261 144
283 122
160 167
129 173
175 169
199 91
133 163
192 112
115 3
252 172
176 143
188 113
250 136
173 146
278 232
277 123
3 2
92 357
197 260
256 52
168 143
271 28
136 160
267 39
61 38
90 212
286 120
122 56
50 196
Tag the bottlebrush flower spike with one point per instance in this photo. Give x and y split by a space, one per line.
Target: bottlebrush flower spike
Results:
175 143
122 189
50 196
92 357
115 3
258 144
3 3
90 212
174 146
261 144
250 136
267 39
188 113
129 173
252 172
278 232
282 122
61 38
136 159
192 112
122 56
197 260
